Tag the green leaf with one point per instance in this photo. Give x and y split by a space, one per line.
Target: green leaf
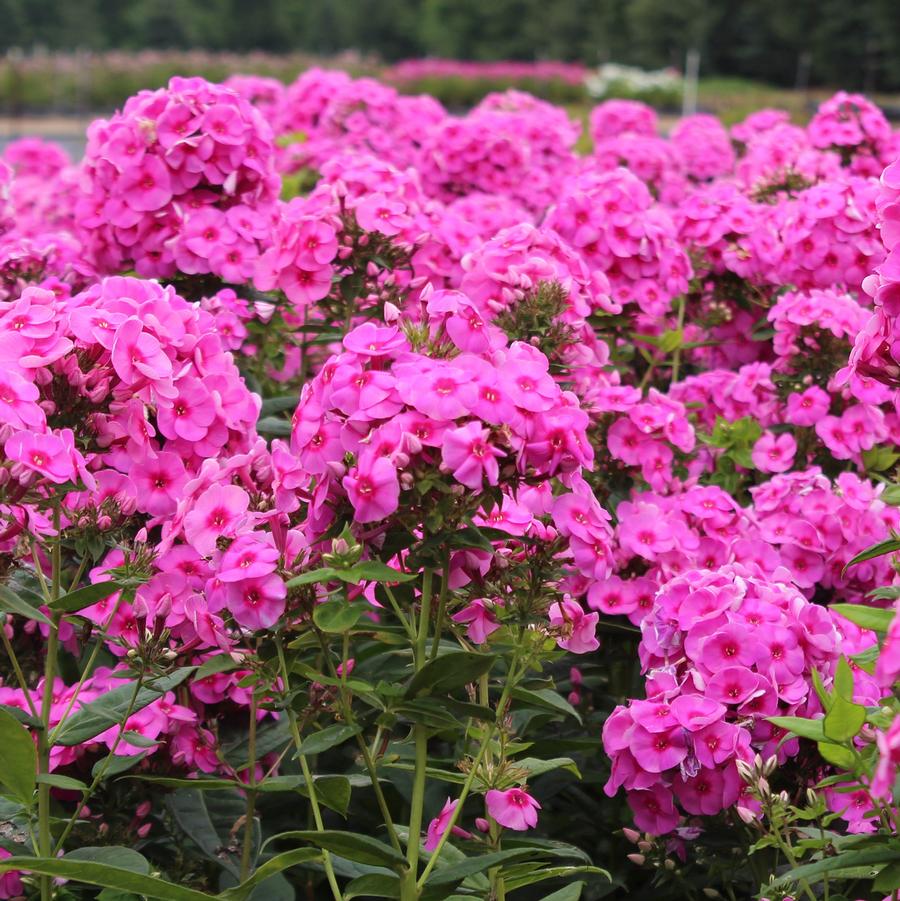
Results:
879 458
272 425
350 845
373 885
885 593
202 784
279 404
888 879
221 663
844 720
190 810
327 738
337 616
366 571
22 716
671 340
84 597
373 571
555 849
545 699
462 709
514 881
12 603
837 755
867 659
798 725
569 893
869 857
536 766
448 875
113 856
105 876
110 709
112 894
843 681
270 738
64 782
18 760
275 888
876 550
333 792
270 868
121 763
823 694
449 671
326 574
433 548
891 495
429 712
874 618
138 740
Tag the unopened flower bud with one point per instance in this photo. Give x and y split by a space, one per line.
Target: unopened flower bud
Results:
747 815
632 835
645 846
637 859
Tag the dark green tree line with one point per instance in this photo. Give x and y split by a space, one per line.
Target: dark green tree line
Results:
853 44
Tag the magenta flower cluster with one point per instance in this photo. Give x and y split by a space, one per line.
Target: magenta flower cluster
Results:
722 650
671 364
181 180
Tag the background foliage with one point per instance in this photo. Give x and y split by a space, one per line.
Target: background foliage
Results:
856 45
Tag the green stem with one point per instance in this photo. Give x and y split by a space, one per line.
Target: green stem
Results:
304 767
247 849
676 360
45 843
399 611
45 840
498 889
788 851
20 676
442 605
424 617
408 888
80 572
417 805
457 812
371 769
420 733
88 667
86 793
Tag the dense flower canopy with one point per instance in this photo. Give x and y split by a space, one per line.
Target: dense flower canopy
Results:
651 387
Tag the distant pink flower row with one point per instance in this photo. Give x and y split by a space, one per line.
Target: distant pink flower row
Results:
412 70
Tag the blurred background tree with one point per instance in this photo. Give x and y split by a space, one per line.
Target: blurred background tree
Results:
852 43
